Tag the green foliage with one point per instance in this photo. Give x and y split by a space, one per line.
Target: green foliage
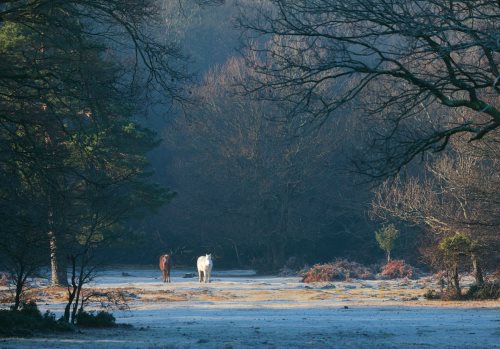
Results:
10 36
75 142
73 159
455 246
386 236
28 321
101 319
453 250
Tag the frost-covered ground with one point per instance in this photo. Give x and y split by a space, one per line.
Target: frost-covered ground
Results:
241 310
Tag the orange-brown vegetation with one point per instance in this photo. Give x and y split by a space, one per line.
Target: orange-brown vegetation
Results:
396 269
341 269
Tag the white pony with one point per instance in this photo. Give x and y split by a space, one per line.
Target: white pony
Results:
204 268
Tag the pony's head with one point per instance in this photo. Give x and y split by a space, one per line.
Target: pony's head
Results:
208 256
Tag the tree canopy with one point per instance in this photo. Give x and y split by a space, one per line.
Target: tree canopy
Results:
426 69
73 150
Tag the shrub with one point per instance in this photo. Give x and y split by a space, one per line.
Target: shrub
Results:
28 320
489 290
319 273
494 277
431 295
396 269
4 280
30 310
339 270
101 319
294 266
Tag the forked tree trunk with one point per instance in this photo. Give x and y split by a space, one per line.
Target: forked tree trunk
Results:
67 308
72 290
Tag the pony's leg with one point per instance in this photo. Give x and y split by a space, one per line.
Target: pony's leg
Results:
200 276
164 276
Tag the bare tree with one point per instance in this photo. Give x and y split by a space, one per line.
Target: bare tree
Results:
246 181
457 194
22 258
415 58
22 240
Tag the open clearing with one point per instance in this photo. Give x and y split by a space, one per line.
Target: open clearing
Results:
241 310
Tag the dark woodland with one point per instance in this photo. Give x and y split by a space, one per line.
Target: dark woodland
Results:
268 133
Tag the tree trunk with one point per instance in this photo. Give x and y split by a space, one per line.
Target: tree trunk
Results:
17 300
71 291
19 289
78 291
76 303
388 256
456 282
67 308
58 272
279 240
275 252
236 252
478 272
278 254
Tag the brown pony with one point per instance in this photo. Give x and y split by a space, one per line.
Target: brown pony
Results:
165 266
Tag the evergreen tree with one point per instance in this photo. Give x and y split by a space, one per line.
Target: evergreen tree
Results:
386 236
67 132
